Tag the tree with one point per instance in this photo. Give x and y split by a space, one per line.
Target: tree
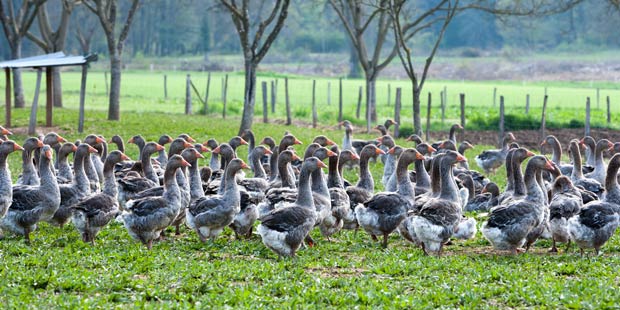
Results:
53 41
85 27
359 20
412 20
255 49
107 11
15 27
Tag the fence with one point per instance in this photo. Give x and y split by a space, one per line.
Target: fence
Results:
313 100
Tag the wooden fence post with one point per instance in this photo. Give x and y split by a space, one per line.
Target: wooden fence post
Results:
329 93
7 97
495 97
359 104
265 105
188 95
273 97
462 133
397 112
287 102
428 117
82 97
314 115
33 111
165 87
587 133
598 98
608 112
502 129
49 81
527 104
224 93
207 93
442 105
543 119
339 102
389 94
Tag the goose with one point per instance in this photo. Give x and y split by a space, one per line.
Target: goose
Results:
162 156
600 169
65 173
340 204
94 212
118 141
130 186
365 186
283 230
90 167
485 200
451 136
491 160
509 225
590 144
566 203
6 189
209 215
32 204
29 174
214 162
146 218
577 176
556 157
597 221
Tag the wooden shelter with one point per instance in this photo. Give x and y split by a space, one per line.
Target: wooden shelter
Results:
47 62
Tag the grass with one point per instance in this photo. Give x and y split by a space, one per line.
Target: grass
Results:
59 270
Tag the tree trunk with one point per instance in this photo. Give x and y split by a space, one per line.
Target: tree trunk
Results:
115 88
249 96
371 97
354 62
18 90
417 123
57 87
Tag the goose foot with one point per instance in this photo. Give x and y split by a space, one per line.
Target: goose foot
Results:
385 241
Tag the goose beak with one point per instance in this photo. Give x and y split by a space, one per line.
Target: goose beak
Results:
543 143
321 164
124 157
484 190
92 149
419 156
330 142
409 139
244 165
297 141
582 141
243 142
261 141
460 158
48 154
331 154
459 126
610 146
198 155
158 147
549 166
130 140
216 150
17 147
39 143
99 140
267 152
6 132
189 139
530 154
74 148
431 150
355 156
379 152
392 150
187 144
61 139
184 163
295 157
203 149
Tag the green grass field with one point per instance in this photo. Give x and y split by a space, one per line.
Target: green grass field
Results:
59 270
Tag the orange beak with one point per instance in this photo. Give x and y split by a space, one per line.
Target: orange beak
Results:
92 149
295 157
243 142
198 155
130 140
17 147
158 147
6 132
330 142
297 141
549 166
484 190
189 139
204 148
244 166
355 157
217 150
184 163
431 149
74 148
321 164
39 143
331 154
124 157
529 154
48 154
460 158
379 152
61 139
99 140
187 144
543 143
408 139
419 156
392 150
268 152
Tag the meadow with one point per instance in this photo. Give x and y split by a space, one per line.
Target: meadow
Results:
351 271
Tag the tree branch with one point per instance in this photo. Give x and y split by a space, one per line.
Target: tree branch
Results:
125 31
274 32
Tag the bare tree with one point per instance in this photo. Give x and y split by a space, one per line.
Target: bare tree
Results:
15 27
359 19
84 29
414 20
107 11
255 49
53 40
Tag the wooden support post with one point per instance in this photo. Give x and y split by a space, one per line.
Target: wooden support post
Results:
165 86
389 94
224 93
527 104
428 117
587 133
494 97
287 102
359 104
442 105
329 93
462 98
608 112
397 112
545 90
35 103
263 85
49 81
339 102
82 97
7 97
188 95
107 87
543 119
502 128
273 97
314 114
207 93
